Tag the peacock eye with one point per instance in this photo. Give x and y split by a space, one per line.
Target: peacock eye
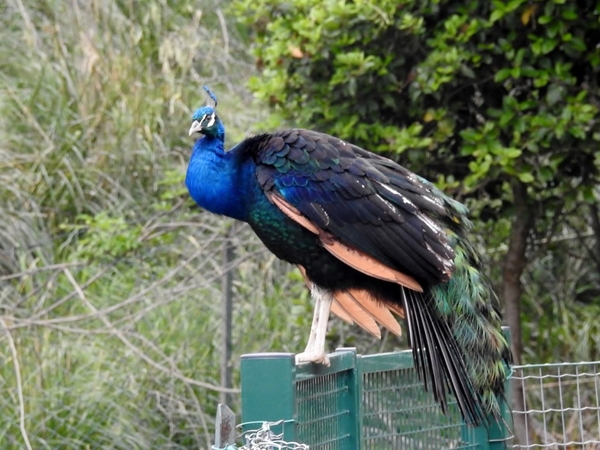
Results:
208 120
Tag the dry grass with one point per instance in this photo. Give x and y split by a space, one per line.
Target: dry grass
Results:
109 277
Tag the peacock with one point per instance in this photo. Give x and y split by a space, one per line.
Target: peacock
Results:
374 242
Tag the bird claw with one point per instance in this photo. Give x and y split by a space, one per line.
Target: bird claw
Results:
312 357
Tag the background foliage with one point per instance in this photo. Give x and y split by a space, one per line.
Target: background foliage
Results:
110 278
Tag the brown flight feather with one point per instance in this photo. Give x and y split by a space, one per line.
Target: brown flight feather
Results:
370 266
379 311
293 213
336 308
339 311
359 315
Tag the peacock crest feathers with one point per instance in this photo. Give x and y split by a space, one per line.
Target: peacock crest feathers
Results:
205 120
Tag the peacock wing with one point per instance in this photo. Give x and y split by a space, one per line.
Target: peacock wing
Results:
368 211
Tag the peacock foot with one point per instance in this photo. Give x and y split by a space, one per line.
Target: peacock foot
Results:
312 357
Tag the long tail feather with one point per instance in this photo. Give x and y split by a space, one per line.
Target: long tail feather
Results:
455 329
438 360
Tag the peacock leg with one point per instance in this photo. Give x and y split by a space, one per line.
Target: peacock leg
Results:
315 349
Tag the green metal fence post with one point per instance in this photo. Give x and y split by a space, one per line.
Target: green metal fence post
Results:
476 437
490 437
268 391
354 399
504 431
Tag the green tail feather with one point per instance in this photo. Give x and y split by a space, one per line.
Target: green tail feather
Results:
469 305
471 308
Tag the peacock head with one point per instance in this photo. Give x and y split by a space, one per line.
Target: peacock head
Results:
205 120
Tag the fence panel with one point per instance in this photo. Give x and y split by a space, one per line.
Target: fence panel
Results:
358 402
398 413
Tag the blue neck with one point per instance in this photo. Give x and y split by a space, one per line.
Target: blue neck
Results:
218 180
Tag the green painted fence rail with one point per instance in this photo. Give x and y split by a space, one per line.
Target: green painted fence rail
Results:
373 402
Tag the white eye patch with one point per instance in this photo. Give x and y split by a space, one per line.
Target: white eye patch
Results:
211 120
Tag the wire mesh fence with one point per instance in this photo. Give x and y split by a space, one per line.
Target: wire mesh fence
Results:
398 413
378 402
561 405
323 418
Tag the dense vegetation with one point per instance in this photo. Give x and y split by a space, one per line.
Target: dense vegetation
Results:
110 278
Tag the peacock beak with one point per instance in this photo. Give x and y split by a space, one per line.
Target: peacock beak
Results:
195 128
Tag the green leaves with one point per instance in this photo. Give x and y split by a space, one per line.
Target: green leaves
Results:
355 64
526 177
504 8
485 95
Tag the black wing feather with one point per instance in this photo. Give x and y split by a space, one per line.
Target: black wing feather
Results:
432 343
